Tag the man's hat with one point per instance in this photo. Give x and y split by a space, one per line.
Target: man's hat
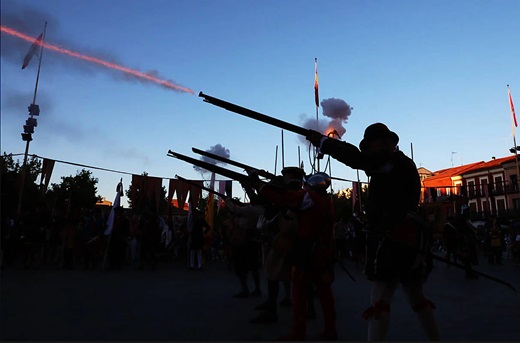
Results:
375 131
294 171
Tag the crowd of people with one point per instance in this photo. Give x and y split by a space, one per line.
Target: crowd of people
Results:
79 239
462 241
287 233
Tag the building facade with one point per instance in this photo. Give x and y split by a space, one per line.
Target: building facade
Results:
489 188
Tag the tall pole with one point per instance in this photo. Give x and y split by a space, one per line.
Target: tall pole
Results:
275 159
317 103
26 153
283 153
299 157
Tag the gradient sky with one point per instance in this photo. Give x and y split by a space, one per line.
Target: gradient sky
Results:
434 71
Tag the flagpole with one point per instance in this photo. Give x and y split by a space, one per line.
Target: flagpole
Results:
283 152
26 153
513 124
316 100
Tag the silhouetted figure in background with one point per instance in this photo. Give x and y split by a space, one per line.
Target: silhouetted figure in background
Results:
118 239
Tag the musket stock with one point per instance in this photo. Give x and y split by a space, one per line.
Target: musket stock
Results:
256 115
246 167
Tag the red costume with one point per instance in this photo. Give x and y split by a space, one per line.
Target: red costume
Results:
312 255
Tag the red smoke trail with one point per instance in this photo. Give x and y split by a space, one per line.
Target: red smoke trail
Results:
106 64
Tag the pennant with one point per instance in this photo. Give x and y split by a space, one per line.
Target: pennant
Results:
32 51
171 189
316 95
117 202
47 167
229 188
196 192
182 191
221 190
512 107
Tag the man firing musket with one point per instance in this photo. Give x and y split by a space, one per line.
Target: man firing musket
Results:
398 239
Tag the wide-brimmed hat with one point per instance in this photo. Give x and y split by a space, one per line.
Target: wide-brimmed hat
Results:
293 171
375 131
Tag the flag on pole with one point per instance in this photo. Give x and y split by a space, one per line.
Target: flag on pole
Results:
512 107
316 95
117 202
32 51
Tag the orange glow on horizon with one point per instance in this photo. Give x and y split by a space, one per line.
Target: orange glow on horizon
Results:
98 61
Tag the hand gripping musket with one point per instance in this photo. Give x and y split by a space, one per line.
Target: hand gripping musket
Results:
222 196
246 167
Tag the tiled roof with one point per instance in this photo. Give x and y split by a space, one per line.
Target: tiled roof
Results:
491 164
442 177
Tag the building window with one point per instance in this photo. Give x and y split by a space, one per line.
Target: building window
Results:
471 188
516 204
484 205
501 205
499 188
484 187
514 182
448 191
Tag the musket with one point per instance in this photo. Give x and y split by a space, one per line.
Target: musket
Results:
246 167
337 260
256 115
442 259
211 167
263 118
222 196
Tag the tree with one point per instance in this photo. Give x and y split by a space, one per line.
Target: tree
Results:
78 191
10 172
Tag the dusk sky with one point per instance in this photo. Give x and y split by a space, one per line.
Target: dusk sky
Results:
436 72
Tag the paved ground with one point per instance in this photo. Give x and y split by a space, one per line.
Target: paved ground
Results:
172 303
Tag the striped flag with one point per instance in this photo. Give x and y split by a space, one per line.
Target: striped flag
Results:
32 51
512 107
316 94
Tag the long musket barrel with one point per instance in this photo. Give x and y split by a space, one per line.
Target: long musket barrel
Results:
246 167
222 196
256 115
211 167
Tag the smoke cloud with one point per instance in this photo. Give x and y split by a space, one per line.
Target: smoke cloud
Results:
31 22
218 150
337 110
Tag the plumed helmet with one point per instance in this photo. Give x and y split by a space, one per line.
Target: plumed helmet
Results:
319 181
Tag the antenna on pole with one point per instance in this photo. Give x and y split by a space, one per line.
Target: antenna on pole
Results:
452 153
